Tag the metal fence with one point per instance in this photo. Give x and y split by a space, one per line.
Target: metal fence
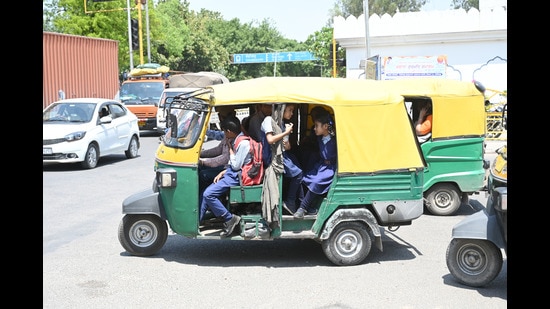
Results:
495 129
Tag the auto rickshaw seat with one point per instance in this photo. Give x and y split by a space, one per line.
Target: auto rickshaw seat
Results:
424 138
251 194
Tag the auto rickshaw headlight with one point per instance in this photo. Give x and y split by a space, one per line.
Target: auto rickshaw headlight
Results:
166 178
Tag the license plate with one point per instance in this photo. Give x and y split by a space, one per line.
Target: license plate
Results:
141 123
47 151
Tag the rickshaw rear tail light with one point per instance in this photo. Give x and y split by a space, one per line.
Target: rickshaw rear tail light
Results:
390 209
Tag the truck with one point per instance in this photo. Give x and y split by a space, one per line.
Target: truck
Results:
141 92
76 66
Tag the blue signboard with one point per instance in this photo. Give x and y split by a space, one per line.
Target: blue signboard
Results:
283 56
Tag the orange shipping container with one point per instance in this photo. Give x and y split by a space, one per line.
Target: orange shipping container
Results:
79 66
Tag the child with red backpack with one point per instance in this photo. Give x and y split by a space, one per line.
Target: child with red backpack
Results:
239 155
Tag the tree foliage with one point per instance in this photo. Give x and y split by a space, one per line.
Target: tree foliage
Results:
465 4
346 8
190 41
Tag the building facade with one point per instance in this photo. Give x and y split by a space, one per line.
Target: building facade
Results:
474 42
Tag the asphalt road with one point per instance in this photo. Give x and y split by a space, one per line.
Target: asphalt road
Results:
84 265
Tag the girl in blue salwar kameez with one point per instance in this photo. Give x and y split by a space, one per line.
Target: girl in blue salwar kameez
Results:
318 179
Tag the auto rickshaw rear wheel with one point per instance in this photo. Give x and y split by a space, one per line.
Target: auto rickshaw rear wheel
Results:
348 244
142 235
473 262
442 199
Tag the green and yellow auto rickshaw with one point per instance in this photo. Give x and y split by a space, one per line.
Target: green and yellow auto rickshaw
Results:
454 153
378 183
474 254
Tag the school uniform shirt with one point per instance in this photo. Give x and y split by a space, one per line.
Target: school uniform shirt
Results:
319 178
290 162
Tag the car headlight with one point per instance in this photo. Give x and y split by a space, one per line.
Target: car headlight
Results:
75 136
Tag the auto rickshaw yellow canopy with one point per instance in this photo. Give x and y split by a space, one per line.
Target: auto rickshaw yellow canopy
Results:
373 130
458 106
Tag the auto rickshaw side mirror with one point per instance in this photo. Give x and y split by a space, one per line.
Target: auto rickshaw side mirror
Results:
479 86
173 126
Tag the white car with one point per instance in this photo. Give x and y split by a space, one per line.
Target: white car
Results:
85 129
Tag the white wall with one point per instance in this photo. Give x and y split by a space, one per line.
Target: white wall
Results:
475 42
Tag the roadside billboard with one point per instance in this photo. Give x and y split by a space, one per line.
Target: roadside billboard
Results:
400 67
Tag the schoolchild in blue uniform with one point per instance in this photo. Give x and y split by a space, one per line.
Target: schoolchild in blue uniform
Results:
318 179
227 178
292 170
308 152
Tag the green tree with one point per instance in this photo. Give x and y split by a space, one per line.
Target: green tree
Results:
346 8
185 40
108 20
49 11
465 4
321 45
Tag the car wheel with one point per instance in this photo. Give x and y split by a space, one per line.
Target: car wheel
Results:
133 147
443 199
142 235
348 244
91 157
474 262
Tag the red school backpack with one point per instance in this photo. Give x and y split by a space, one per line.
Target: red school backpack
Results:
252 173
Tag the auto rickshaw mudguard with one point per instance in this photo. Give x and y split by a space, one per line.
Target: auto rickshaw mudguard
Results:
358 214
480 225
144 202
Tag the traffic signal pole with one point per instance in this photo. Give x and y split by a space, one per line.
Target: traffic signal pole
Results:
140 27
130 35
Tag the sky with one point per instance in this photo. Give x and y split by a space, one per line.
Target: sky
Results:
295 19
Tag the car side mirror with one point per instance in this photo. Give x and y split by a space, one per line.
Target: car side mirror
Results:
106 119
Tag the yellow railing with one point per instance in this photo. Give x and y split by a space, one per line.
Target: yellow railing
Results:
495 130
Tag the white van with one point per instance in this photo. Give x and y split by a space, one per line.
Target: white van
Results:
166 97
180 83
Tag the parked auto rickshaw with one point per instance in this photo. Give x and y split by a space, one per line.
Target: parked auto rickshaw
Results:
454 152
474 255
378 183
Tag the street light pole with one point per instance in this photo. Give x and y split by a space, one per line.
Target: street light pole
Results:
366 13
276 56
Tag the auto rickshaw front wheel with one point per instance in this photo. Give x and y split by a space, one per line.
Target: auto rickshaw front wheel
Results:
348 244
142 235
442 199
473 262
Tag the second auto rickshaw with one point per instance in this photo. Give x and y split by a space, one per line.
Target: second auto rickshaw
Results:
454 152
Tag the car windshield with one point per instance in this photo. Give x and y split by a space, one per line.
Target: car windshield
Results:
141 92
69 112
